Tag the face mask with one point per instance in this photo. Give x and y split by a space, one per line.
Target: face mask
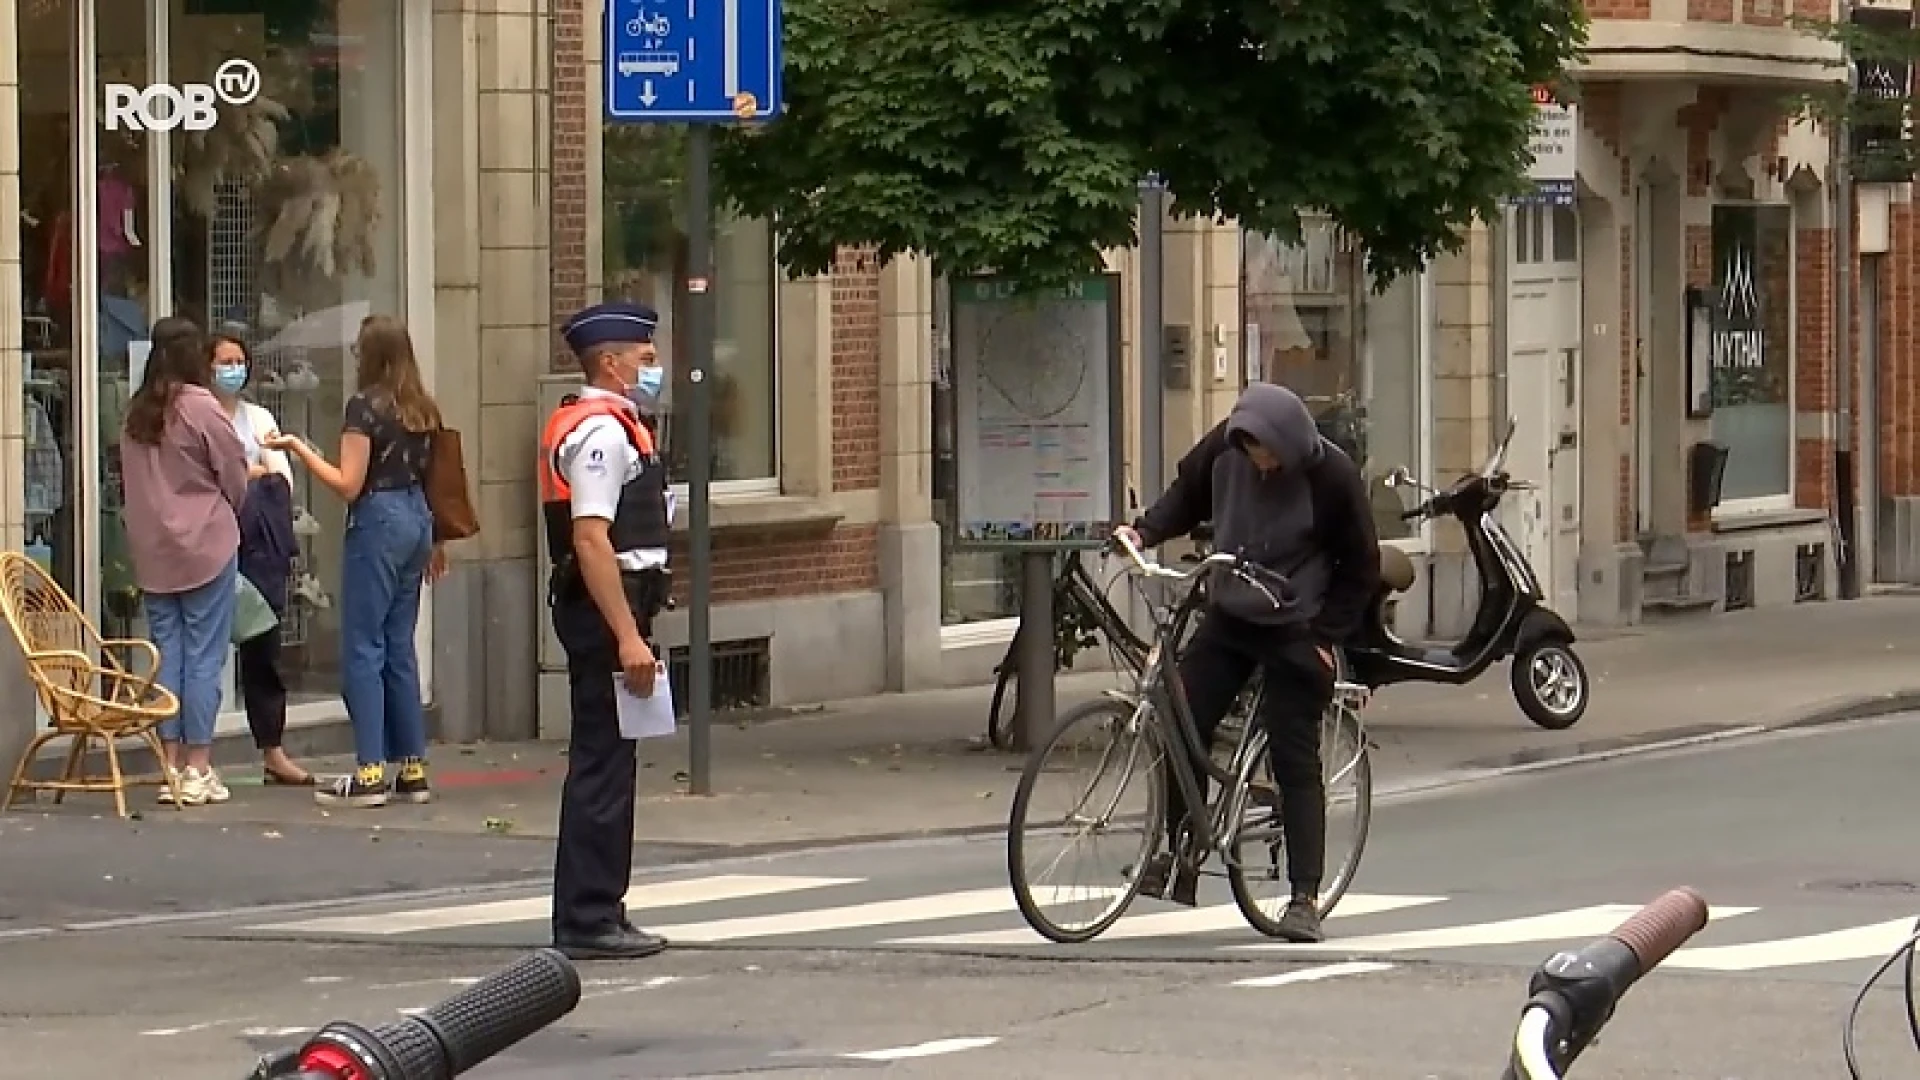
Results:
230 379
647 385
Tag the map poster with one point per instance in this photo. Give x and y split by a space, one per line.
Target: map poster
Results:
1037 420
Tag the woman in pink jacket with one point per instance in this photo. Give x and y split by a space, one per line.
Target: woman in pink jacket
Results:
185 474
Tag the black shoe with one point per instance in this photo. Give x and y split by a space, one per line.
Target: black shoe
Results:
1154 881
619 943
1300 924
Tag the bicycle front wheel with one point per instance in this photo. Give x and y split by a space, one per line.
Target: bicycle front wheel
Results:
1108 763
1258 873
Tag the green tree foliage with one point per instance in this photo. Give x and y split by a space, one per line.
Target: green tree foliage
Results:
1011 135
1885 47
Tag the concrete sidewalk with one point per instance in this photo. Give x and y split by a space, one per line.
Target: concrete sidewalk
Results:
906 764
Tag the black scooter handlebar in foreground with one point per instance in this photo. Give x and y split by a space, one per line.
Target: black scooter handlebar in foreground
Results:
444 1041
1573 994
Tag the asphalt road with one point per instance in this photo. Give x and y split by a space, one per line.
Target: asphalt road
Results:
817 963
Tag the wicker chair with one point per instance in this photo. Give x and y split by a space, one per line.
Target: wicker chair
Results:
86 685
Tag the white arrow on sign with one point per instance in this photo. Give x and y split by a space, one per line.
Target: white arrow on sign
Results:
647 96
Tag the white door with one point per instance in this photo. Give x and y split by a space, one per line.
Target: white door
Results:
1543 395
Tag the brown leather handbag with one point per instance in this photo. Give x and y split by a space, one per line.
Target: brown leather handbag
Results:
446 482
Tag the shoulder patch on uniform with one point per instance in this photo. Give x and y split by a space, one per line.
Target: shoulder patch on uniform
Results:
596 461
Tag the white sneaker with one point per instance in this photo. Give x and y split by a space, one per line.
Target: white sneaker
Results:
200 787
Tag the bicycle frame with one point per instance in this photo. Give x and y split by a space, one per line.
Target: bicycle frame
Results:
1158 689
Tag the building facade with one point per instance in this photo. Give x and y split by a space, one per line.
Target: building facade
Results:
448 163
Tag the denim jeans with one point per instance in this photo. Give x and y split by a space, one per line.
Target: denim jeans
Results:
388 543
193 631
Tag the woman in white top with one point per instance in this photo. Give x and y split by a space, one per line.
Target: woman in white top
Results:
268 566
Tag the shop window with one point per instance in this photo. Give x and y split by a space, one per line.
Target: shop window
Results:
287 228
280 224
1314 325
1752 359
644 259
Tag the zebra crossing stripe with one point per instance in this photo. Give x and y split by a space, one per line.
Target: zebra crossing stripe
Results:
666 894
1212 919
913 909
1572 924
1856 943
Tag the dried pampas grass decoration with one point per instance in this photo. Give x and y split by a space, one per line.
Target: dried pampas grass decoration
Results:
240 149
319 216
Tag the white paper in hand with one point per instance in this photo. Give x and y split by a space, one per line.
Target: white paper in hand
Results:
648 717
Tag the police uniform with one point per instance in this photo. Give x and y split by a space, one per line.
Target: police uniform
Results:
598 459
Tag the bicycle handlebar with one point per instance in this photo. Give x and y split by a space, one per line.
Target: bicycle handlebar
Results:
1236 565
443 1041
1573 994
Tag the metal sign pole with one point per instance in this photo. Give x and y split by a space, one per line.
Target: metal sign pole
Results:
700 65
700 460
1153 435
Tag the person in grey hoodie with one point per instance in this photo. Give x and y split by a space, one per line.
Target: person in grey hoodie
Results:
1292 502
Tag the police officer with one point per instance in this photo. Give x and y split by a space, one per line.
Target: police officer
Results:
603 495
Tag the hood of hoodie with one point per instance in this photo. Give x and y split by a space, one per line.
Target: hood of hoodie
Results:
1268 517
1277 419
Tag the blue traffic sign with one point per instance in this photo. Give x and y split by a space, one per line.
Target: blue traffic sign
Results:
693 61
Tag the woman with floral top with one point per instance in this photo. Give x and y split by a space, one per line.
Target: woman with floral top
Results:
389 553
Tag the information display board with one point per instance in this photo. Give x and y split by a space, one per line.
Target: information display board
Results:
1037 414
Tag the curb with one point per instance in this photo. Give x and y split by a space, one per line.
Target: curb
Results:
1846 710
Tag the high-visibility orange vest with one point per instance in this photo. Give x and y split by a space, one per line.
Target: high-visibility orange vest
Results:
641 519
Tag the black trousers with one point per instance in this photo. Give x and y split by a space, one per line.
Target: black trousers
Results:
1222 656
594 857
262 689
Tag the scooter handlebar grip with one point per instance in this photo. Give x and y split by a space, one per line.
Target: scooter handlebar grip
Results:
504 1008
1655 931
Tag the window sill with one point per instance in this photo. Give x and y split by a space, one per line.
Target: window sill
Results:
1743 520
758 511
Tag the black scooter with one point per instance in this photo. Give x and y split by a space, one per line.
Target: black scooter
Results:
1548 680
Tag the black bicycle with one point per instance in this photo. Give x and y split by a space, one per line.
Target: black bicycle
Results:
1147 735
1082 619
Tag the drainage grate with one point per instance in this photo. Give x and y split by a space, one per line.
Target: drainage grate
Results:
1739 587
1809 573
742 675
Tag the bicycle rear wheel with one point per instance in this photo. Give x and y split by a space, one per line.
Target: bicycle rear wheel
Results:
1121 800
1257 875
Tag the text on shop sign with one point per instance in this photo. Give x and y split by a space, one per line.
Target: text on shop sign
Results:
193 106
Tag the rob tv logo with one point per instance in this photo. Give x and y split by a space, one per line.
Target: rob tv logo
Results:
193 106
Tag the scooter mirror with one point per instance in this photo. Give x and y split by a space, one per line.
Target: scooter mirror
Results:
1399 478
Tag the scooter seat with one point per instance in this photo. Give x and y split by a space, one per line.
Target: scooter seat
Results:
1396 569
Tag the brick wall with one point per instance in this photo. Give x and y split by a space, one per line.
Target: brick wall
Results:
568 160
772 564
856 371
1620 9
1899 381
762 563
1813 360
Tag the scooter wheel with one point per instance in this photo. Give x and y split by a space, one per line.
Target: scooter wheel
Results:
1550 683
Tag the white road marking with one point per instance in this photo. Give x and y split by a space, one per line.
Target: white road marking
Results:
1856 943
704 890
1315 974
191 1028
913 909
274 1032
654 983
1204 920
925 1049
1572 924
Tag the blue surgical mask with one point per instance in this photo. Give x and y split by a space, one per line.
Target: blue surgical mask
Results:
230 379
649 382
